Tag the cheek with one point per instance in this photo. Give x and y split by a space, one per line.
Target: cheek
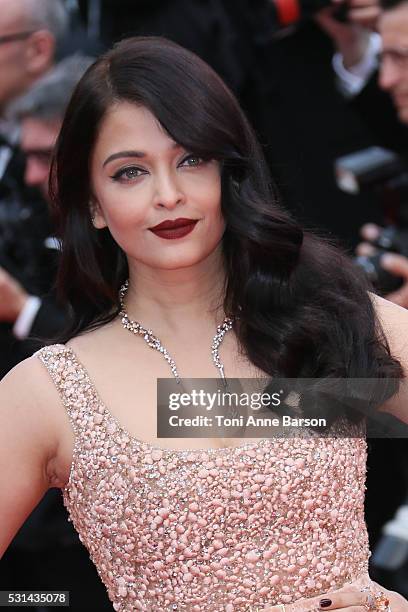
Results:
214 223
7 55
124 211
10 73
211 202
208 193
214 204
14 61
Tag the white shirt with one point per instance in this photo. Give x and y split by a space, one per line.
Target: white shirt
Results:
25 319
352 80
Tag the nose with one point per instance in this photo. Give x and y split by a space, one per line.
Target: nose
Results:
168 191
36 173
389 74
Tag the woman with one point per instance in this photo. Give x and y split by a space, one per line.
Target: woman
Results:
169 218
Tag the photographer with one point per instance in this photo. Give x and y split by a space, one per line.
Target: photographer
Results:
30 33
358 72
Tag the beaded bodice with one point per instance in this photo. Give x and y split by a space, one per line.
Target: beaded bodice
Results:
229 529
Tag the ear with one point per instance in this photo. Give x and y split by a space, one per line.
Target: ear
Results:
40 52
97 216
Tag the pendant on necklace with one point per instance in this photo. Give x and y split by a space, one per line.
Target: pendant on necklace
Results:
154 342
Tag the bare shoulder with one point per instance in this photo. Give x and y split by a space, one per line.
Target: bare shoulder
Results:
394 322
94 340
31 405
388 309
24 384
28 400
29 440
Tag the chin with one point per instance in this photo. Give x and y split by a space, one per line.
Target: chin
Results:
179 264
182 261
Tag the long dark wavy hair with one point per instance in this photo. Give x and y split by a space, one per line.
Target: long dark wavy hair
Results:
303 309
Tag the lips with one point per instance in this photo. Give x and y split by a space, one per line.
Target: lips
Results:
174 229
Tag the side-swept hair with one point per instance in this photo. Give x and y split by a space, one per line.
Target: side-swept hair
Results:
303 309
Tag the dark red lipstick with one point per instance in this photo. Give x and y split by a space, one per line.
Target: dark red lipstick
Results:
174 229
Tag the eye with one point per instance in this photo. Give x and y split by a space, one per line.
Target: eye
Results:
191 161
128 174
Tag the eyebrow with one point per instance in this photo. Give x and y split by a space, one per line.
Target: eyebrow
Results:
121 154
138 154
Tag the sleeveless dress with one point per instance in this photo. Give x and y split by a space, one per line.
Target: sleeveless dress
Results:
229 529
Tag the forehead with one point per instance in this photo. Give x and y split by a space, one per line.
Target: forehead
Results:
127 125
12 16
393 26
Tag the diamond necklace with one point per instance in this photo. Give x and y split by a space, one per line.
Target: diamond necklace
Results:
155 343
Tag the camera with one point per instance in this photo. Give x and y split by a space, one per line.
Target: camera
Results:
385 173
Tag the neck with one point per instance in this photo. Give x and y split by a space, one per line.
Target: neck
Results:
177 300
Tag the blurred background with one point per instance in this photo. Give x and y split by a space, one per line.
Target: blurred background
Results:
324 83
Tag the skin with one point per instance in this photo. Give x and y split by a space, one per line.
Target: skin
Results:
349 598
37 140
393 263
393 27
157 187
393 77
171 281
165 190
176 288
21 61
350 38
351 41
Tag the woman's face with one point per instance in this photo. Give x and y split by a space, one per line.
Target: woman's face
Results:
141 178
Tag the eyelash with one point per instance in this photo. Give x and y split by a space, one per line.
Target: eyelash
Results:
119 175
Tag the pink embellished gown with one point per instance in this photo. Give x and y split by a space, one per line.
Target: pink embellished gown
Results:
231 529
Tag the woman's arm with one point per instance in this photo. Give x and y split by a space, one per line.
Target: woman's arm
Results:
394 320
27 446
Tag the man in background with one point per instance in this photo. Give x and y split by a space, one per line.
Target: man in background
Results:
31 31
393 78
364 60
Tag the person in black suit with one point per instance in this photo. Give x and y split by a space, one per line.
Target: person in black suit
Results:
393 79
377 91
30 33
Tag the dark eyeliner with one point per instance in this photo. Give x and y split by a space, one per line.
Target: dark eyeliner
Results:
119 173
200 159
